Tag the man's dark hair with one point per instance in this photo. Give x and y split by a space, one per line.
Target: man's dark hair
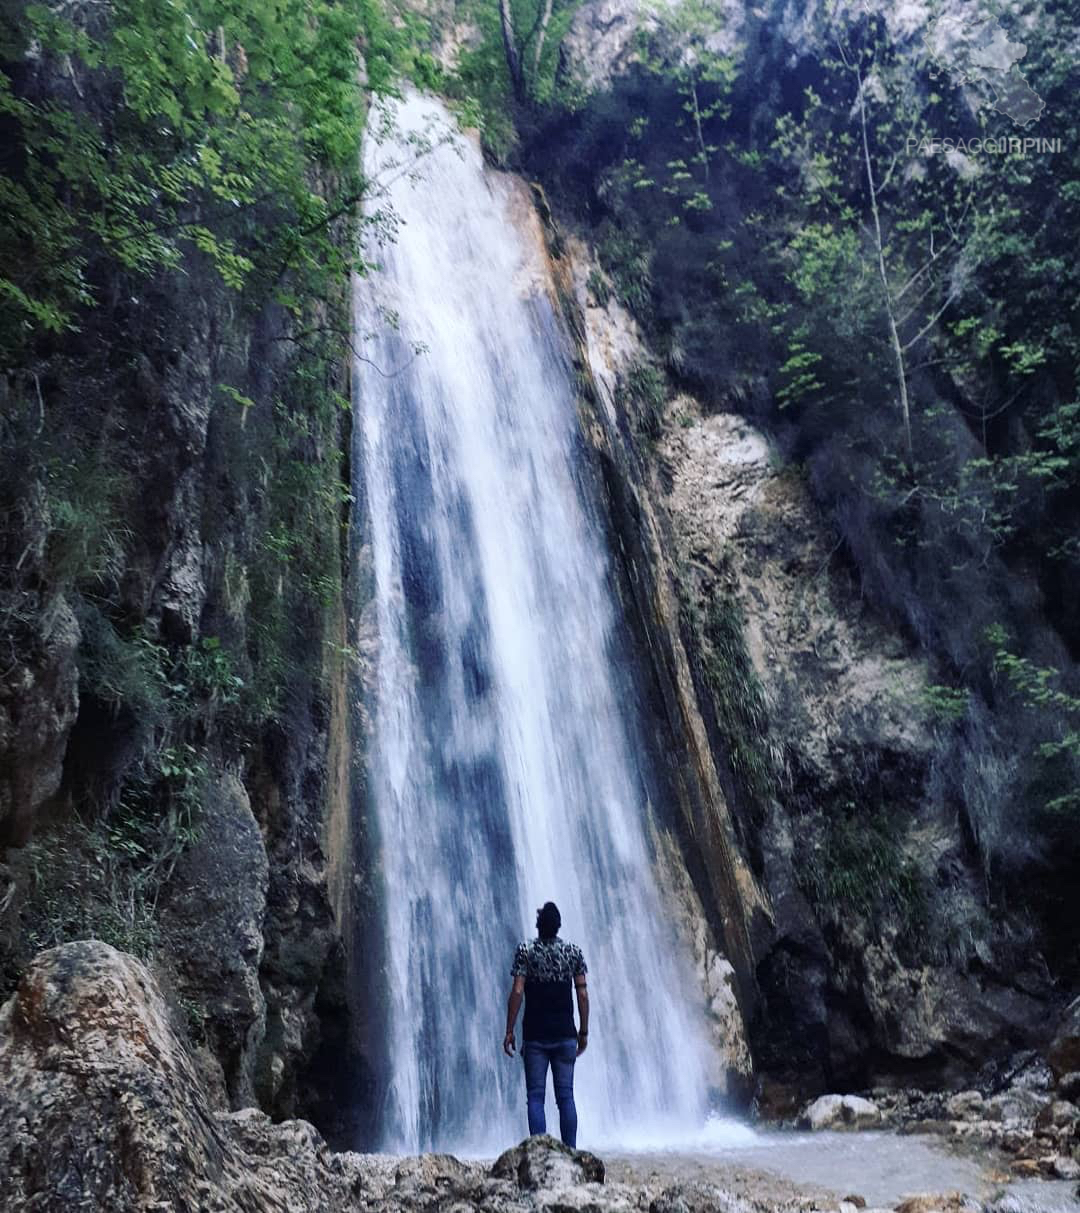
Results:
548 920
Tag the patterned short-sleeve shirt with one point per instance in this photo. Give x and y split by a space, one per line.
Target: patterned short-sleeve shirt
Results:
549 967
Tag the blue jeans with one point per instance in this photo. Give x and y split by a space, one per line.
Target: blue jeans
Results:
561 1054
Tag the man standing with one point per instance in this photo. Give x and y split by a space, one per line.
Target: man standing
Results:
544 969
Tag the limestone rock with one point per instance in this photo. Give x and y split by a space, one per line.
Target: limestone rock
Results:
544 1162
39 700
947 1202
431 1173
826 1112
1015 1106
698 1198
101 1107
840 1112
213 912
965 1105
1057 1114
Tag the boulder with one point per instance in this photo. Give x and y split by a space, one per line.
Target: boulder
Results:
39 700
213 913
1058 1114
1015 1106
946 1202
965 1105
825 1112
544 1162
101 1107
1064 1055
699 1198
840 1112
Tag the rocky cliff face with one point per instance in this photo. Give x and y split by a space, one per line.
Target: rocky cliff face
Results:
792 697
171 714
840 877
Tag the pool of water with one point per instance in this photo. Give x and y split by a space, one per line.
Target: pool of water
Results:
881 1167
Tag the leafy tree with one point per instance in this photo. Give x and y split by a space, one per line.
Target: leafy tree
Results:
531 32
1041 689
881 252
230 132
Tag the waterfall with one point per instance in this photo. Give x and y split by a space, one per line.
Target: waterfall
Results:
502 768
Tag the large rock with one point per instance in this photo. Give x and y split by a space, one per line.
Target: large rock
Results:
1015 1106
965 1105
543 1162
213 914
39 700
947 1202
840 1112
1065 1049
699 1198
1068 1086
101 1107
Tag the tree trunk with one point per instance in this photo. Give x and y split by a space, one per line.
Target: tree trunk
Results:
541 36
513 57
894 335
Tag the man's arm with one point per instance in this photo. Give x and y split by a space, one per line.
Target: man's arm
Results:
513 1005
582 991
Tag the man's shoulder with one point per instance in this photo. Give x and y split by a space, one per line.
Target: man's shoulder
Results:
576 958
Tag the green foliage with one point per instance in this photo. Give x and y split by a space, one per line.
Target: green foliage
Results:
859 866
627 259
645 389
82 886
598 287
293 574
483 84
739 701
207 682
100 877
945 704
124 672
1040 689
798 377
676 47
230 133
87 534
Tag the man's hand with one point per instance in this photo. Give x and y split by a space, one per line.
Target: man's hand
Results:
508 1044
582 990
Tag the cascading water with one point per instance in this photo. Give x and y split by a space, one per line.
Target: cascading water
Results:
501 769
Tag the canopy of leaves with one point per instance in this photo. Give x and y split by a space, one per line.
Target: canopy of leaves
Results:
230 131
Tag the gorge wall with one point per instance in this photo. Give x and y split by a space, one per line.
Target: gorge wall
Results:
174 732
860 847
